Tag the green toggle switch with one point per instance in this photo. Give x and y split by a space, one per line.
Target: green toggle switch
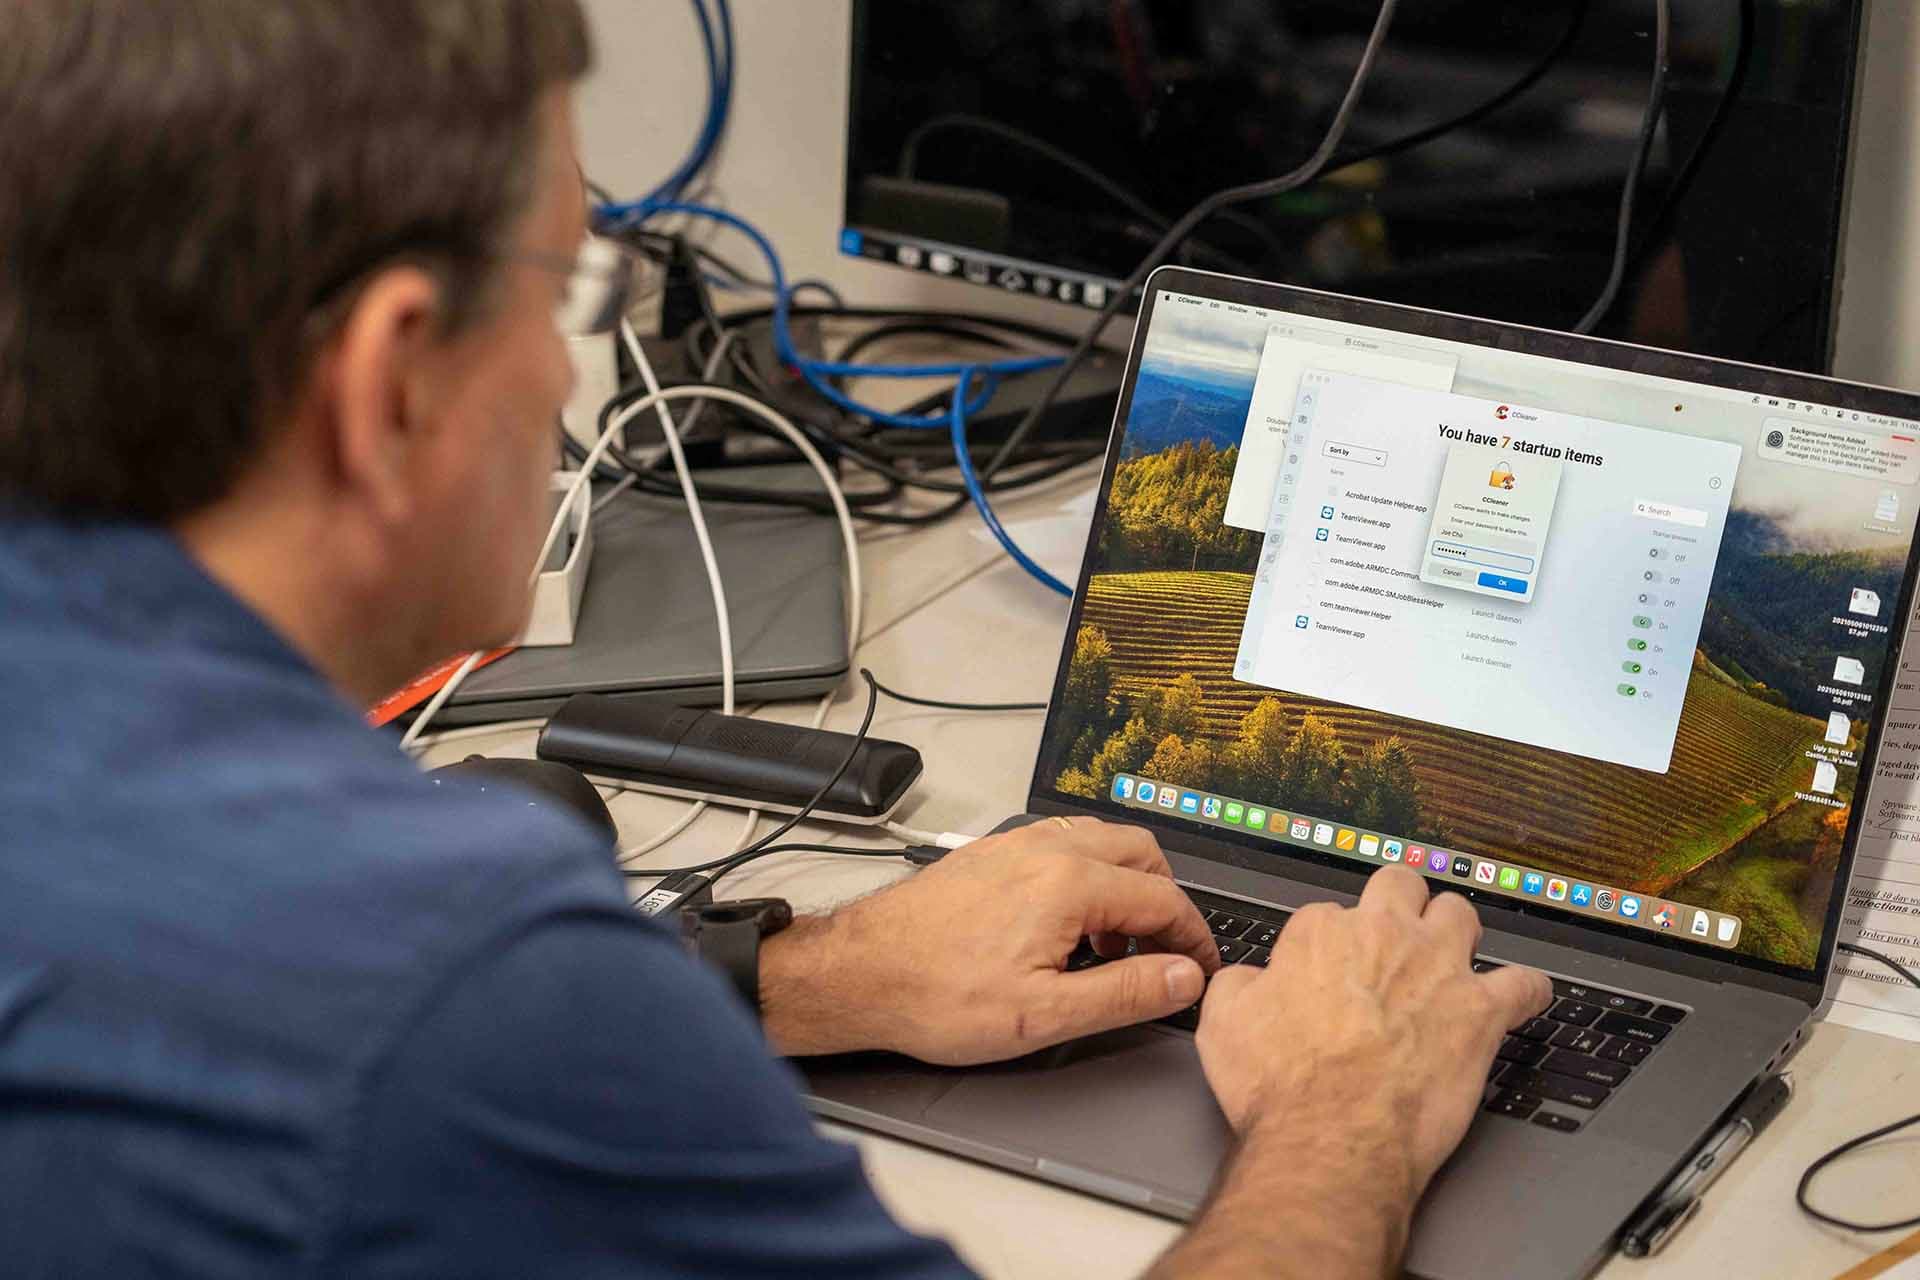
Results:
1637 645
1626 691
1630 667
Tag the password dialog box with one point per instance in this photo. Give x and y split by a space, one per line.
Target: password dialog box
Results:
1490 518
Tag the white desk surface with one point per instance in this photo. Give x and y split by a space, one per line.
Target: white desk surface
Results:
948 616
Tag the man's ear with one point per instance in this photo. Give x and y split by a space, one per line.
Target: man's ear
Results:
381 377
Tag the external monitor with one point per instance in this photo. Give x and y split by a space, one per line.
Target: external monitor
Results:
1040 146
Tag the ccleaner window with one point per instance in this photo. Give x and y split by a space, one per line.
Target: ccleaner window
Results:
1513 571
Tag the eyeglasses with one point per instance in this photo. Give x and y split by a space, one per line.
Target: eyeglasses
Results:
600 284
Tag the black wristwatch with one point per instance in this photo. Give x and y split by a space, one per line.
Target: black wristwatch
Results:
727 935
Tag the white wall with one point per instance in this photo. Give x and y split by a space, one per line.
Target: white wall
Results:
784 159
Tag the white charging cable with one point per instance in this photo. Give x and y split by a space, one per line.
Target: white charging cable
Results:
653 400
856 584
657 399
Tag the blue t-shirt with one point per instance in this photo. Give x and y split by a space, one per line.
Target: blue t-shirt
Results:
271 1005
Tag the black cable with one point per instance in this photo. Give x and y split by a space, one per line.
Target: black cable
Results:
897 696
1883 958
917 328
900 320
1649 127
727 865
958 120
846 762
1616 270
1853 1144
1813 1170
738 276
655 483
1746 18
1025 329
1499 100
727 268
1044 469
843 447
649 478
1306 172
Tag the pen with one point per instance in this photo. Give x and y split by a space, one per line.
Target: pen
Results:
1676 1203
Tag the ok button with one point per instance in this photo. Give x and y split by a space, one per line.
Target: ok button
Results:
1500 582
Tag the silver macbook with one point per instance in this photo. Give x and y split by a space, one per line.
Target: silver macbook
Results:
1600 637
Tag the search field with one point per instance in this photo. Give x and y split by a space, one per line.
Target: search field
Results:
1671 514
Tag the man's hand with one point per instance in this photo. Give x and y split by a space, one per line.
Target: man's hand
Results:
1350 1067
965 962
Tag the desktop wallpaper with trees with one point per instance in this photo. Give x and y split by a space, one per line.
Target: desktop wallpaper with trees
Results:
1150 691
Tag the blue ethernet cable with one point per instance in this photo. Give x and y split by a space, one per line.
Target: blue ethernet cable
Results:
719 56
815 372
957 426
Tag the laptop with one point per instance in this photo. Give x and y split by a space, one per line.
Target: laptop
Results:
1598 636
646 625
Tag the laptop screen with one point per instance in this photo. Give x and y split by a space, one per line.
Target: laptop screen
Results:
1581 628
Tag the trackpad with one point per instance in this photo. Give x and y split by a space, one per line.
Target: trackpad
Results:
1131 1105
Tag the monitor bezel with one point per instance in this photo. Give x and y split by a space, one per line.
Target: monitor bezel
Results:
1627 943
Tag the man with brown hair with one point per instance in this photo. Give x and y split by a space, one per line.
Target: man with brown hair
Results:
278 368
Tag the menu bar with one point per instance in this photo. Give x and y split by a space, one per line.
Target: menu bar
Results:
1483 875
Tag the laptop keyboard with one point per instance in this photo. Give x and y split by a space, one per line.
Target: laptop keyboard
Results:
1554 1072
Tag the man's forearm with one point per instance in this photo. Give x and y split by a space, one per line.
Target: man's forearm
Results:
812 996
1308 1198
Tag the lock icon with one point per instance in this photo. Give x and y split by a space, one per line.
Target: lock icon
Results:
1501 477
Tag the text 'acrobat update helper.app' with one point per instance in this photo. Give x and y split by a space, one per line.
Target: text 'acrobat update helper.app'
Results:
1530 575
